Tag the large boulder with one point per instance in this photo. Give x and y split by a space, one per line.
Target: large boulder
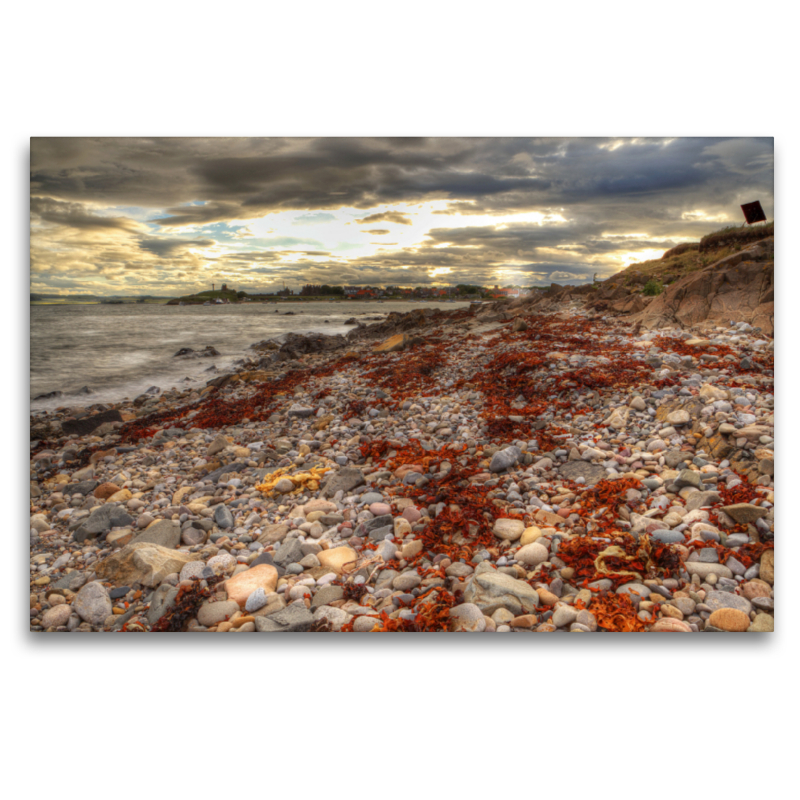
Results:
397 342
295 345
491 590
738 288
241 586
163 532
336 558
86 425
144 563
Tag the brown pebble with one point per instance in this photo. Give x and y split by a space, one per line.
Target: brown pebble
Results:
729 619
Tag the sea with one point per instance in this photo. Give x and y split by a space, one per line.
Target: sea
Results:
120 351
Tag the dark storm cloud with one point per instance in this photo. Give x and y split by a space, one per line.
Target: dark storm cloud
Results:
161 246
242 178
386 216
75 215
601 197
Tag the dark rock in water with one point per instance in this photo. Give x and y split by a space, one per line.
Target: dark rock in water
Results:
351 321
296 345
48 396
86 425
153 390
265 344
102 521
84 390
187 352
222 380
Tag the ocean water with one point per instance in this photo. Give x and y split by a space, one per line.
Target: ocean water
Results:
119 351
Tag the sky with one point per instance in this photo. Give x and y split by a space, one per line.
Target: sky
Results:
166 216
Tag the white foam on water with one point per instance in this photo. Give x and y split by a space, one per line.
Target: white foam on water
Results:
120 351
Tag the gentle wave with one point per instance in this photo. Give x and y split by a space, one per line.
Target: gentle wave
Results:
119 351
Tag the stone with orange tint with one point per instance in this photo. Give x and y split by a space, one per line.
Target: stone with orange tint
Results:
730 619
241 586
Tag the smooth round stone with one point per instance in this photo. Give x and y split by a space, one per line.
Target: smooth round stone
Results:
468 618
716 600
671 625
564 615
737 540
530 535
636 591
763 623
380 509
756 589
364 624
56 616
412 514
284 486
406 581
532 554
299 591
386 550
221 562
371 497
193 569
214 613
667 536
509 529
257 599
729 619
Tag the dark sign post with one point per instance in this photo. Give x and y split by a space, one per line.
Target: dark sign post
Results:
753 213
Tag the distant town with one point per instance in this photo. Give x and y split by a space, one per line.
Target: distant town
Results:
325 292
225 295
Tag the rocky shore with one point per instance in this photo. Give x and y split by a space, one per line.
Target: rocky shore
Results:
531 466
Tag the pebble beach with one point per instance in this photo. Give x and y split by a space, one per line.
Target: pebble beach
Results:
503 468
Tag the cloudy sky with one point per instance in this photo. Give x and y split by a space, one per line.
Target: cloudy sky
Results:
166 216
